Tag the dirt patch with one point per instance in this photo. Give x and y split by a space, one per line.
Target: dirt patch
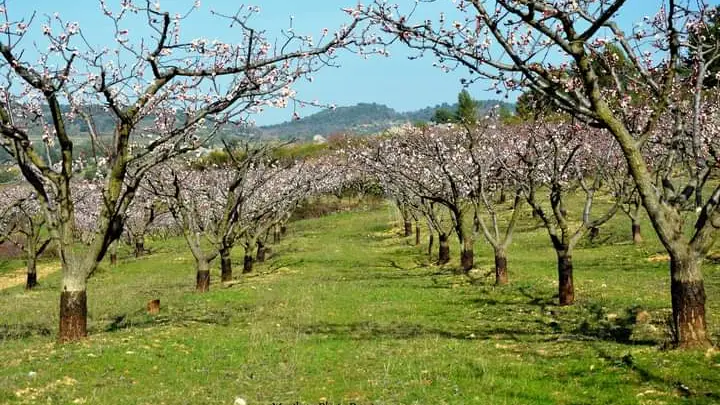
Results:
19 276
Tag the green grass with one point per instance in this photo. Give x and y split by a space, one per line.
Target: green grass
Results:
347 311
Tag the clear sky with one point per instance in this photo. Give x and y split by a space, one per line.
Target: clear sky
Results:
396 81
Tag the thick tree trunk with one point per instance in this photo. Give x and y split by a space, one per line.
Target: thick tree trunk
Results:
225 265
501 275
202 280
417 234
566 289
408 228
444 250
467 256
636 235
247 264
73 316
688 302
139 246
260 256
31 281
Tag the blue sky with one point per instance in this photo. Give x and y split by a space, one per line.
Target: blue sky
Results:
397 82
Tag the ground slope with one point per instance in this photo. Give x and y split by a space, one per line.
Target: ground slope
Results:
349 312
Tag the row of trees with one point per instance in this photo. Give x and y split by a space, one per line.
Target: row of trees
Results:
655 97
166 94
647 89
457 180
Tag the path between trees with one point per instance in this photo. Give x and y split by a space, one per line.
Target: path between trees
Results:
19 276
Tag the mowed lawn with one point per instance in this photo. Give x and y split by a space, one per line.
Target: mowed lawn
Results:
347 311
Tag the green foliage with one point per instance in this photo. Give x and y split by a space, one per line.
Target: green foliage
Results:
214 158
300 150
443 116
467 111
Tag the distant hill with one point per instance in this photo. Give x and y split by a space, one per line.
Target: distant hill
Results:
360 119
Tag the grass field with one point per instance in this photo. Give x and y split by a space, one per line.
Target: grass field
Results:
346 311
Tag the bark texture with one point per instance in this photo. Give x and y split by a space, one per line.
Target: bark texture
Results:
73 316
566 289
501 275
467 259
225 265
688 304
247 264
636 235
139 247
202 281
444 250
260 256
31 281
408 228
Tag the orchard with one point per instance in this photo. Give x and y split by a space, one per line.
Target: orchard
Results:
510 251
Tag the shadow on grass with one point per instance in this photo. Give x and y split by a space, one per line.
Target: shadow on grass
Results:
22 331
588 322
618 329
368 330
180 317
628 362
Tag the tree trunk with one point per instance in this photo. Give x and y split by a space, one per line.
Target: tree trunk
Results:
444 251
276 234
73 315
594 233
260 256
566 290
113 259
31 274
247 264
139 246
503 197
688 302
408 228
283 230
417 234
501 275
431 242
636 235
467 256
225 265
202 280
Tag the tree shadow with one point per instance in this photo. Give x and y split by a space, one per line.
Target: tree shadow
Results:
617 329
181 317
588 322
370 330
23 331
628 362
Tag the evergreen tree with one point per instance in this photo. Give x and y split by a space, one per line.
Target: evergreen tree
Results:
467 112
